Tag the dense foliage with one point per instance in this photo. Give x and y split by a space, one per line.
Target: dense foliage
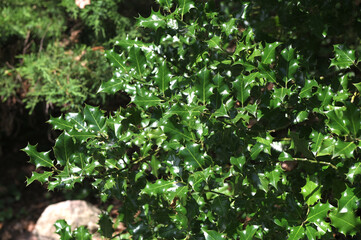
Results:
51 50
225 136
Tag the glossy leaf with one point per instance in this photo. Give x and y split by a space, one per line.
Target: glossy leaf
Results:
81 233
337 123
353 172
163 77
204 87
154 21
311 192
41 177
138 60
184 6
268 55
343 149
39 159
344 58
306 91
212 235
297 233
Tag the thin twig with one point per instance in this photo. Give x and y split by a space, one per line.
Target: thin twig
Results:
315 161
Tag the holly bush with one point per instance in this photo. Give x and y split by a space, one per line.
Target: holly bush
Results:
224 137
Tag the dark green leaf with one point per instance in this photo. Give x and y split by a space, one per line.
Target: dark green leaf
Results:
212 235
311 192
60 123
163 77
193 157
138 60
94 118
106 225
297 233
268 55
344 58
306 91
346 223
41 177
81 233
155 20
301 145
204 86
63 229
343 149
184 6
39 159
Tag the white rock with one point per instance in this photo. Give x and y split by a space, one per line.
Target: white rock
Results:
75 212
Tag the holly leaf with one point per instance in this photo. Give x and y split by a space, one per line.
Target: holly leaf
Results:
343 149
154 21
344 58
212 235
81 233
163 77
306 91
353 116
311 192
353 172
229 27
318 215
238 162
301 145
60 123
249 232
215 42
193 157
147 101
41 177
117 61
296 233
39 159
94 118
243 89
106 225
184 6
288 53
337 123
346 223
268 55
204 86
63 150
63 229
82 136
138 60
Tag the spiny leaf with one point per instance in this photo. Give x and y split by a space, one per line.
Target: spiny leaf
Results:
184 6
306 91
41 177
155 20
344 58
268 55
94 118
311 192
60 123
163 77
193 157
337 123
353 172
39 159
343 149
212 235
138 60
